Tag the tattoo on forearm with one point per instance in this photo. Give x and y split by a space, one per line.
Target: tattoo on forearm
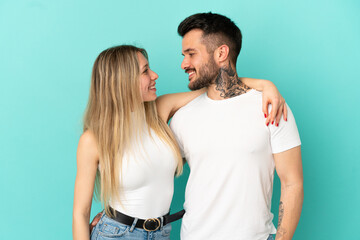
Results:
280 230
281 212
229 84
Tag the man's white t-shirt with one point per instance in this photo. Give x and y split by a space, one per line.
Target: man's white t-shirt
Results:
230 150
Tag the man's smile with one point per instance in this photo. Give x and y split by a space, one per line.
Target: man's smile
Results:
191 72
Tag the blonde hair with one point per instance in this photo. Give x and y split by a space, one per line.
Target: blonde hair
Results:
116 115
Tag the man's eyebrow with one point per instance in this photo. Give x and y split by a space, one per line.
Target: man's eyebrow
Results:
188 50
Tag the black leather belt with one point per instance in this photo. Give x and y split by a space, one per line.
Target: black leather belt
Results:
150 224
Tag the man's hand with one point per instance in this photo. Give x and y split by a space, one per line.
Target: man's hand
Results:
95 221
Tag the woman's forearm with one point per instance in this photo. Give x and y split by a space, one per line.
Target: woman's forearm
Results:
81 227
258 84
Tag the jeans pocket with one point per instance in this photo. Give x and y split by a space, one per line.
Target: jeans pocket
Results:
166 230
111 229
95 230
94 234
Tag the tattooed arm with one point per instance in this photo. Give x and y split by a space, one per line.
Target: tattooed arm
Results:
289 168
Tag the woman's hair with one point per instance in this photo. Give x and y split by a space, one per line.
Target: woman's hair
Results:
116 115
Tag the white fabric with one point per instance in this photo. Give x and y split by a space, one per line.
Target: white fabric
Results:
147 179
229 150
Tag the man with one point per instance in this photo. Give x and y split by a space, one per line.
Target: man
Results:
230 152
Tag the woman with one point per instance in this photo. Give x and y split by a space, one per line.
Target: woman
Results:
127 150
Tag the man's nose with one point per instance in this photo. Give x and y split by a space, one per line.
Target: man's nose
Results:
185 63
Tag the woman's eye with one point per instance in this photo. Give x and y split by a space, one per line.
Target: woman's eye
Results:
146 70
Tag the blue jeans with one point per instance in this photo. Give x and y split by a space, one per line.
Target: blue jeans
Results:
109 229
271 237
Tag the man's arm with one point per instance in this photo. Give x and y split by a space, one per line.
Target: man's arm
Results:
289 169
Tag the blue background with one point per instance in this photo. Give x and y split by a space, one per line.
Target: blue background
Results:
309 49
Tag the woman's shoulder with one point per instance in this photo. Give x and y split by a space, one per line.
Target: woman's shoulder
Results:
88 144
88 138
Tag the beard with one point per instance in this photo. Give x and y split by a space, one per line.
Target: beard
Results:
206 75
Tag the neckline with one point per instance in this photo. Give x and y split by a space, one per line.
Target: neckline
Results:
248 93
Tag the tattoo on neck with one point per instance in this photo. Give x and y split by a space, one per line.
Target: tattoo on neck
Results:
229 84
280 230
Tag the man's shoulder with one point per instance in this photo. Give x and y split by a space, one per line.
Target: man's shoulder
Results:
253 93
190 107
186 112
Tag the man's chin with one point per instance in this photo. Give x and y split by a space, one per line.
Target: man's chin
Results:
193 87
196 85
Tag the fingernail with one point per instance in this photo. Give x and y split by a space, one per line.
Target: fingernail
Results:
286 119
265 115
267 124
272 123
277 124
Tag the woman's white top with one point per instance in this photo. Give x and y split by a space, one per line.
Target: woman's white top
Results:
147 179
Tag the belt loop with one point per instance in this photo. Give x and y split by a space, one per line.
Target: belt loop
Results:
161 222
133 225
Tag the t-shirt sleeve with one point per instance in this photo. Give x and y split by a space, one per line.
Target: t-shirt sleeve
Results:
286 135
174 126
